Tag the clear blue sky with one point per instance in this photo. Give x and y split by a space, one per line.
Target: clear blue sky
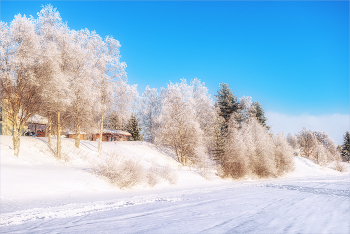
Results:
293 57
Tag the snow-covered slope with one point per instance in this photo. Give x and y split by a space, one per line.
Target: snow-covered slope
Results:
36 174
36 184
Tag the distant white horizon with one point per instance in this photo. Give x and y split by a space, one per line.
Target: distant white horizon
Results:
334 124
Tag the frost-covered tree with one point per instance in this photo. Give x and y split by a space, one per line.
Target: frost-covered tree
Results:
205 112
283 154
329 145
226 102
345 150
260 148
307 142
251 151
149 113
318 146
246 110
219 139
134 129
81 110
114 121
125 101
292 141
178 128
203 104
21 73
260 114
235 162
108 69
56 87
47 23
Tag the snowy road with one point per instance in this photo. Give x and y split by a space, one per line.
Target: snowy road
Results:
308 205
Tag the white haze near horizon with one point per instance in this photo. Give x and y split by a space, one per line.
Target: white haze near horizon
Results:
334 124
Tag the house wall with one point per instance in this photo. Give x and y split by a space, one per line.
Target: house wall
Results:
39 129
109 137
72 136
5 126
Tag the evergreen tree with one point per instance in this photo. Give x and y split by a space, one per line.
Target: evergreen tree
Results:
346 147
219 135
260 114
226 102
134 129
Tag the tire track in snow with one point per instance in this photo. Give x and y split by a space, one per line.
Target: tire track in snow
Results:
71 210
80 209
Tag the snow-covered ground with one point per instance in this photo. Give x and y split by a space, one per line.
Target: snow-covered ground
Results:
42 195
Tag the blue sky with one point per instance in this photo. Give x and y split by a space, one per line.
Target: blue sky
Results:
293 57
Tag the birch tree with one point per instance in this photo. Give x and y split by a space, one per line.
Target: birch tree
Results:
56 88
205 113
20 78
46 24
149 113
306 141
109 69
81 84
178 128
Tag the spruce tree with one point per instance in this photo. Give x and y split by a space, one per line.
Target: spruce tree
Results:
226 102
260 114
134 129
346 147
227 105
220 133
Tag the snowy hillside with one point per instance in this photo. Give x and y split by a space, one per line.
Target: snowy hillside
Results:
36 186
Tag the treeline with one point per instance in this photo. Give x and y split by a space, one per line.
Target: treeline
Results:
230 132
319 146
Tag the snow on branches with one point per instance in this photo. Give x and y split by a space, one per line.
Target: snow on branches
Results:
71 77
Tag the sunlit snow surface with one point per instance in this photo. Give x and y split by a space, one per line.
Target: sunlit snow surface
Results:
309 200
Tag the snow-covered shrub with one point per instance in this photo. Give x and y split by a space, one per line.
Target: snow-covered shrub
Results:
152 176
157 173
125 173
168 174
339 166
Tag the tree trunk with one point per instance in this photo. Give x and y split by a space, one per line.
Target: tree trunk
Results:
16 138
183 151
77 135
49 128
100 136
58 153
